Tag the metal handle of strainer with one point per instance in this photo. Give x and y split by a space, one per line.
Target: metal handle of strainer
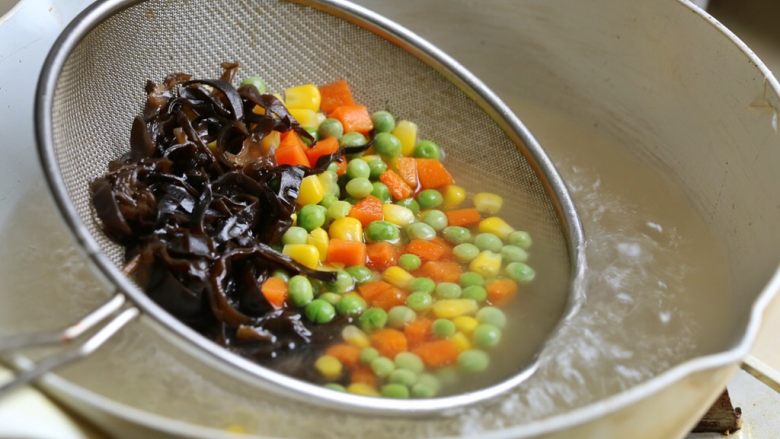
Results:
101 324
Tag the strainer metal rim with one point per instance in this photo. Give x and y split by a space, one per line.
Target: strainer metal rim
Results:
207 350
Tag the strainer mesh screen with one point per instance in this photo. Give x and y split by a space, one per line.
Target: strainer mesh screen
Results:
101 86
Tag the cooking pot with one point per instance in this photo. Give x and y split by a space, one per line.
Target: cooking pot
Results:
675 90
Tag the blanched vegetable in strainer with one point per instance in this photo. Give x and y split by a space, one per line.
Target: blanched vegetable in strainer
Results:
312 235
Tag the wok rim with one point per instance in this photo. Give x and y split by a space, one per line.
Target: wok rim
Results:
551 424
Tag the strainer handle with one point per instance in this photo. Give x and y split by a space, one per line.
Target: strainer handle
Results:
33 370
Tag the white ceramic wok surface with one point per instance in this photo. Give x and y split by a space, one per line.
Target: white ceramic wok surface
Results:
664 82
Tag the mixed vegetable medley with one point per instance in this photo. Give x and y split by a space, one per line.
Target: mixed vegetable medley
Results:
307 233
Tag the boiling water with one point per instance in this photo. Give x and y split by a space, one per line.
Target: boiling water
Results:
651 265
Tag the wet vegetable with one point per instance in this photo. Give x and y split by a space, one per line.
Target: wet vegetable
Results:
197 204
312 236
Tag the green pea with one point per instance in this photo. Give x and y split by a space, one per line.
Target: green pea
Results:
397 391
383 121
427 149
486 336
387 145
520 272
369 354
419 301
456 234
311 216
443 328
358 168
448 376
300 291
409 262
409 361
430 199
378 167
319 311
281 274
470 278
351 305
465 252
295 235
343 283
352 139
330 128
328 200
448 290
382 231
410 204
339 209
372 319
473 361
400 316
403 376
488 241
359 188
521 239
420 231
335 386
475 292
255 81
427 386
513 253
331 298
360 273
333 167
492 316
381 191
423 285
382 366
435 218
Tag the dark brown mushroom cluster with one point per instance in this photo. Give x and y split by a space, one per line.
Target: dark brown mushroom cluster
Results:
199 209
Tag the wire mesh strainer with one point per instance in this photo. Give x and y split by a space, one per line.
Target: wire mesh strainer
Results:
91 88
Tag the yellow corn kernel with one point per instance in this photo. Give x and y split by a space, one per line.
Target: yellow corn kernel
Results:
487 264
462 343
488 203
347 228
465 324
496 226
329 367
212 145
304 254
370 158
303 96
307 118
451 308
397 276
398 215
319 238
330 182
320 118
407 133
362 389
454 195
355 336
271 141
311 191
236 428
258 110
